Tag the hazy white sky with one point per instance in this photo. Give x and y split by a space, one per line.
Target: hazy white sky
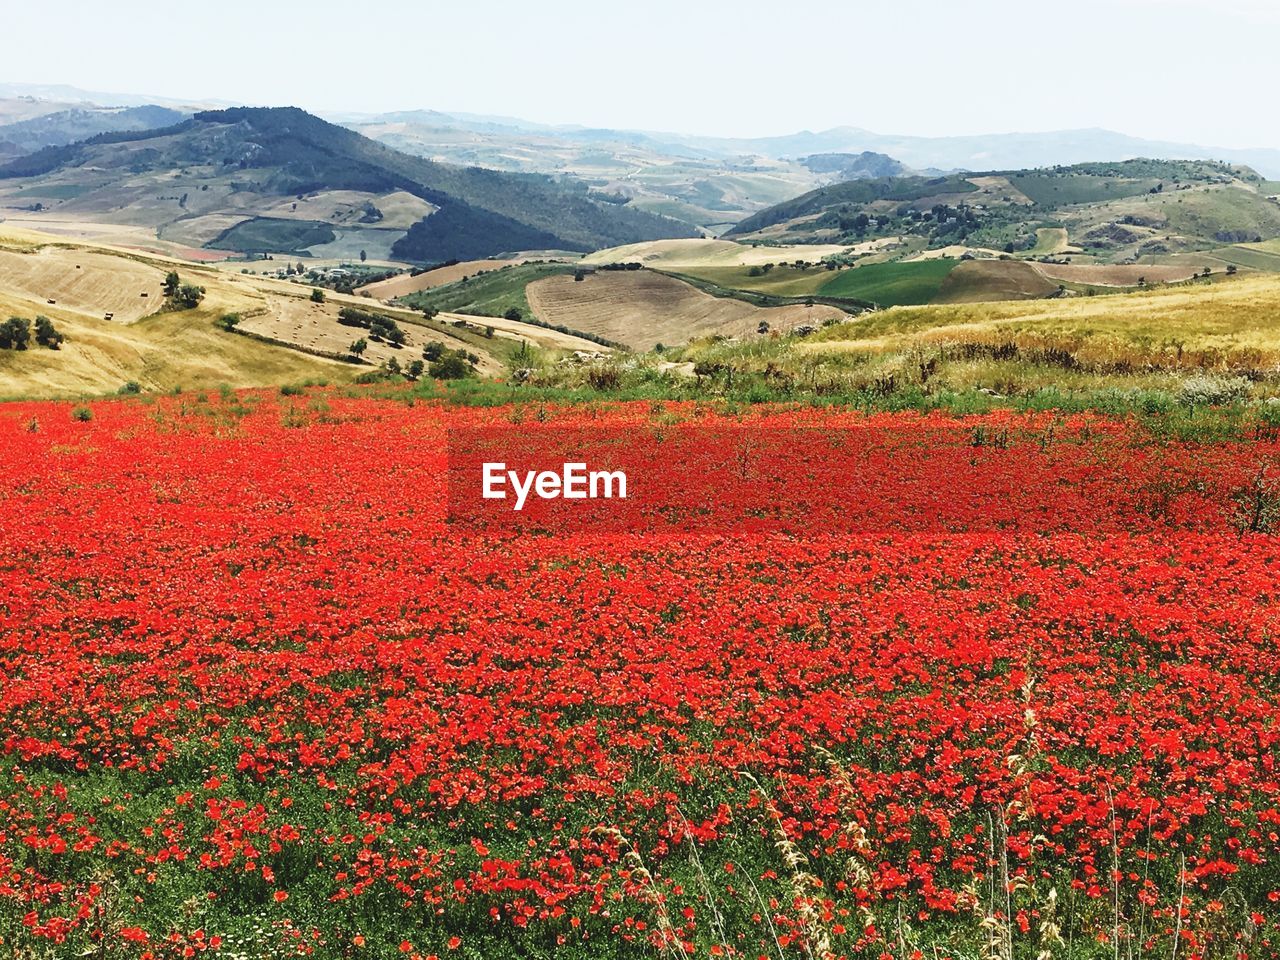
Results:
1189 70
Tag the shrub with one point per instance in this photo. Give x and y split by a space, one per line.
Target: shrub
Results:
317 295
15 334
452 366
47 335
230 321
82 414
1257 506
130 388
1207 391
189 296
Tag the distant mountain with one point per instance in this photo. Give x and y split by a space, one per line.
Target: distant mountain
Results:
1002 151
284 181
62 93
81 123
1005 151
855 166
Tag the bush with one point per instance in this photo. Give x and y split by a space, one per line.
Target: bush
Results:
130 388
317 295
230 321
47 335
82 414
1207 391
189 296
292 390
452 366
15 334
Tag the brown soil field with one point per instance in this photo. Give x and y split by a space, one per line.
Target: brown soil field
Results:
405 284
642 309
976 281
84 281
1117 275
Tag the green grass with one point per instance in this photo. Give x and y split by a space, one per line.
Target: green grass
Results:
781 281
55 191
1050 190
1252 257
490 294
892 284
266 235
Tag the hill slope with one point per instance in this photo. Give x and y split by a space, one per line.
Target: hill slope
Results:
195 182
1111 210
79 123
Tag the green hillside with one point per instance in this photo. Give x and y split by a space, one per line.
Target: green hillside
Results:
1114 209
286 152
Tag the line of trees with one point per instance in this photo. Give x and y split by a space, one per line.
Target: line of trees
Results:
380 326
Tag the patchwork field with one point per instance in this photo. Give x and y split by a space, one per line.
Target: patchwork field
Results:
643 308
406 284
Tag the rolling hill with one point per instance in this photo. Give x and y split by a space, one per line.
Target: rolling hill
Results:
27 136
702 186
1110 211
305 186
109 304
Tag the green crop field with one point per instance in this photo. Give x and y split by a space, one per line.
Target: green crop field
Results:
1051 190
266 235
783 280
892 284
489 294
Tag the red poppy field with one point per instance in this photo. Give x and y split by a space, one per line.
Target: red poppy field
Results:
262 694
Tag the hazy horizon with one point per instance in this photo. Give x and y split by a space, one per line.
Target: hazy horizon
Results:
910 68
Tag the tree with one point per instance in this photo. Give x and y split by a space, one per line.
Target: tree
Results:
15 334
359 347
415 370
230 321
1232 270
317 295
171 283
514 314
47 335
363 256
189 296
450 367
